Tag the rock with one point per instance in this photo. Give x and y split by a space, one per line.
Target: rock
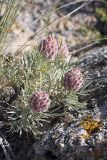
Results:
94 65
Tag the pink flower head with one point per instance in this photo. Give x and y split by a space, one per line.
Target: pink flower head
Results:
40 101
49 47
63 49
73 80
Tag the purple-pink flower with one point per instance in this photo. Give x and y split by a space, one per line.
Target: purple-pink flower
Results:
49 47
52 46
63 49
40 101
73 79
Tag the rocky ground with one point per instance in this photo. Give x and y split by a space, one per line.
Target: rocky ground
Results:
70 140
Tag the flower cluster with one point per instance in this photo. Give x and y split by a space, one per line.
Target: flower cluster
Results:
73 80
51 46
63 49
40 101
